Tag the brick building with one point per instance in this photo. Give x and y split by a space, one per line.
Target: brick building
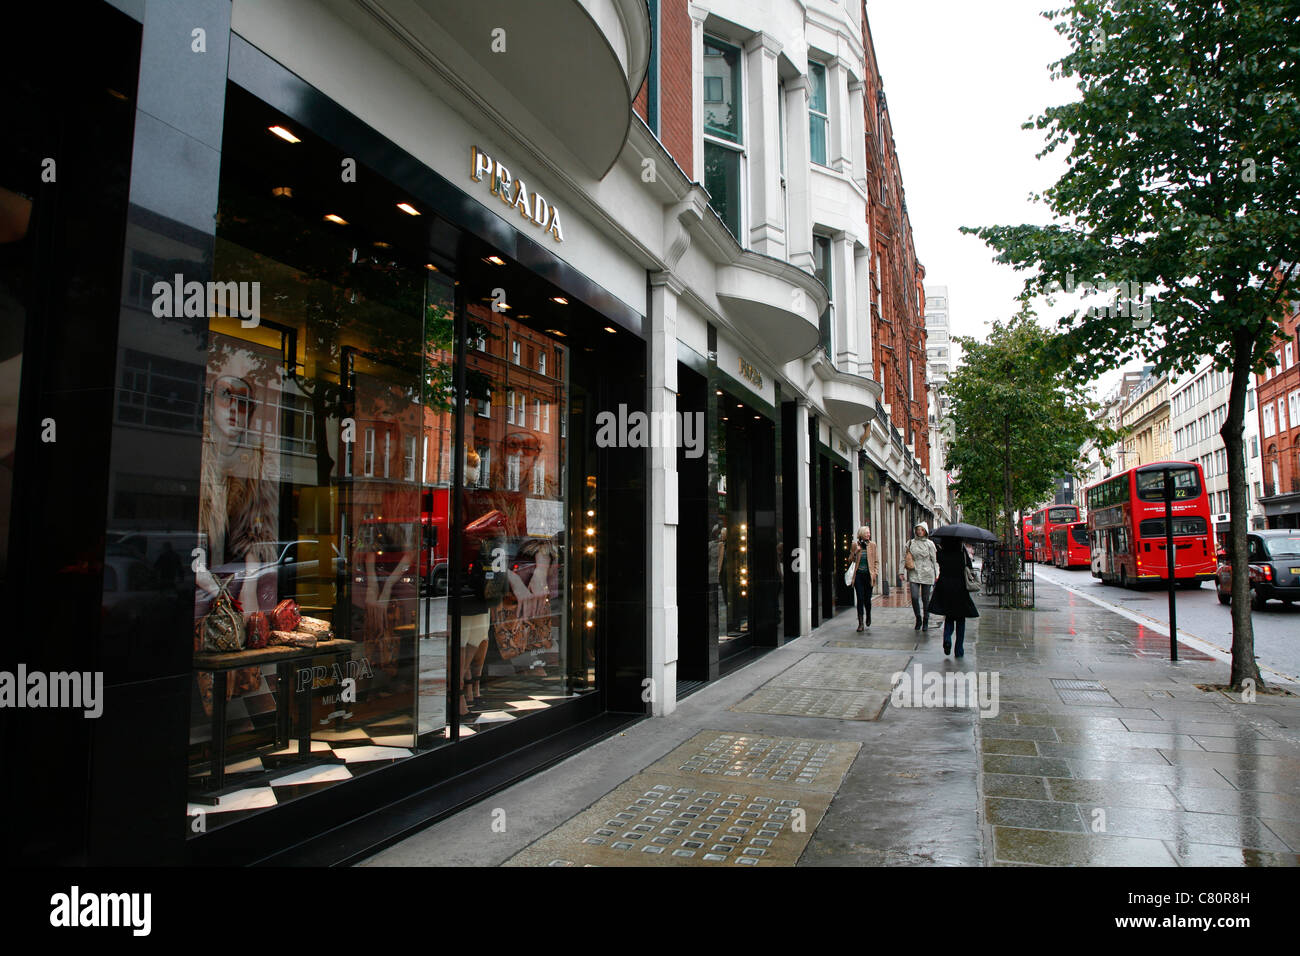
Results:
1279 427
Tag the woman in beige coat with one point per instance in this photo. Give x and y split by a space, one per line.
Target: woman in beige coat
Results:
921 575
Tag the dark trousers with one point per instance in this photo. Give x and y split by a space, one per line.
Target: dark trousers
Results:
921 601
862 588
960 624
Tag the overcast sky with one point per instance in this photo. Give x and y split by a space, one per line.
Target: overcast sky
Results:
961 77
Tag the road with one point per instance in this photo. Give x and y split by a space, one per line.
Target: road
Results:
1277 629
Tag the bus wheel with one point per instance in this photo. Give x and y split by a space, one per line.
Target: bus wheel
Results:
1223 598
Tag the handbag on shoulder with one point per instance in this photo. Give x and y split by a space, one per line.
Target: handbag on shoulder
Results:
908 561
972 579
851 572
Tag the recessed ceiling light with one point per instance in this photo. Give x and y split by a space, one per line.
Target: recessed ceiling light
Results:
719 391
610 330
495 260
282 192
431 267
559 300
379 244
556 332
115 94
284 134
330 217
407 208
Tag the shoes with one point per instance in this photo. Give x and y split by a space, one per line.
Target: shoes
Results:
925 625
918 625
859 627
947 647
959 654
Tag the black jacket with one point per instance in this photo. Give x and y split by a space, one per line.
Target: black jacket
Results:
950 597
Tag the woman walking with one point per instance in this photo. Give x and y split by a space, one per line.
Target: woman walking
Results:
919 559
951 599
866 555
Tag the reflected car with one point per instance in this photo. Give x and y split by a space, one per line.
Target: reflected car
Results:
1274 566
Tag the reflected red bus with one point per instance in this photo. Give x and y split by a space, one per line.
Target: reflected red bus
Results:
1070 546
1047 520
1126 522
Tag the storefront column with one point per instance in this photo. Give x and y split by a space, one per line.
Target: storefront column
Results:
661 568
803 531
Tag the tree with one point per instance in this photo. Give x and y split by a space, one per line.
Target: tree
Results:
1181 193
1015 426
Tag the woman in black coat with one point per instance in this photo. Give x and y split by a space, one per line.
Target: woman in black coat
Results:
950 598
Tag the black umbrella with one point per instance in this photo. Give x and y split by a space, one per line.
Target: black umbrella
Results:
965 531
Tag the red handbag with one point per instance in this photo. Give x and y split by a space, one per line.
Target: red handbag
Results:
286 616
259 630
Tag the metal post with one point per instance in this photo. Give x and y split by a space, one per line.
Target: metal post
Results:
1169 563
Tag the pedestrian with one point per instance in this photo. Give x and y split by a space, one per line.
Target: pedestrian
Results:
867 556
919 559
951 598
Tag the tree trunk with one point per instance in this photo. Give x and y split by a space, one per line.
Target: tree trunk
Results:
1244 666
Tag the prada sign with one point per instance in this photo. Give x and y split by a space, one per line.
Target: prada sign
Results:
514 192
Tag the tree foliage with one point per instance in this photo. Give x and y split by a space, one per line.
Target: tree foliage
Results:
1182 181
1016 427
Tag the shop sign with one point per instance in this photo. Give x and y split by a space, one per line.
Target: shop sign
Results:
514 192
751 374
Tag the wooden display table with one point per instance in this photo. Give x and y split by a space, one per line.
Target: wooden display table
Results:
221 664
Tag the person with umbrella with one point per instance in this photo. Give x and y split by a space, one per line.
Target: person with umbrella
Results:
951 597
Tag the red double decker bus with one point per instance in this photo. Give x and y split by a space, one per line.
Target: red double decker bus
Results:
1046 521
1070 546
1026 536
1126 522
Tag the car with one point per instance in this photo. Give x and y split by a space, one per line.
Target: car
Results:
1274 566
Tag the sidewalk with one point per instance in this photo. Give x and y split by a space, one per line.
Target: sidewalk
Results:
1101 752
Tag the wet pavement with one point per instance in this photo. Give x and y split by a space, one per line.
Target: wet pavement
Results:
1094 750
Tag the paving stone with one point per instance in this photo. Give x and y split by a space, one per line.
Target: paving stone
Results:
1030 766
1166 775
1193 728
1287 830
1182 827
1014 785
1204 854
1033 814
1099 793
838 671
1272 780
1245 802
1238 745
1072 722
1232 761
1129 739
1145 755
1053 848
1022 748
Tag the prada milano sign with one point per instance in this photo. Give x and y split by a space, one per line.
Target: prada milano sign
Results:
514 192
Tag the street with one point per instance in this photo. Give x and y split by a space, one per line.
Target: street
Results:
1200 615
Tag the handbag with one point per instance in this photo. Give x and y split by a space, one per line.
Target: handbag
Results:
972 579
850 573
222 628
908 561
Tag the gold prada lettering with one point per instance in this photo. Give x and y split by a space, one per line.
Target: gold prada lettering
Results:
751 374
515 193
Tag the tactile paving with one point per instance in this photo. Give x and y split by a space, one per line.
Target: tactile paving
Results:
798 702
837 671
736 756
653 820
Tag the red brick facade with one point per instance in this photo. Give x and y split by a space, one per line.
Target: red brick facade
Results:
674 39
1280 451
897 292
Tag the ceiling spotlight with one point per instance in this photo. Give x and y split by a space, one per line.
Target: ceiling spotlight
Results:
330 217
284 134
431 267
282 192
559 300
407 208
556 332
495 260
610 330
